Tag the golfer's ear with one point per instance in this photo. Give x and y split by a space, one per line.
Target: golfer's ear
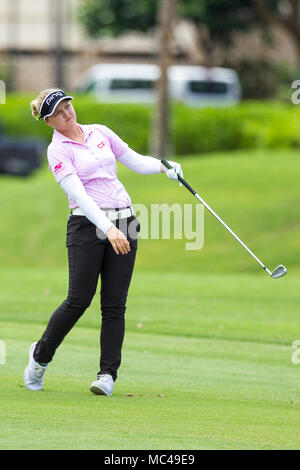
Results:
47 122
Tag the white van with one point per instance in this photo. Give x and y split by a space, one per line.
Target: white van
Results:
135 83
200 86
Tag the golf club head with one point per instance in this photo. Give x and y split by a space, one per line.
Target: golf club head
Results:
279 271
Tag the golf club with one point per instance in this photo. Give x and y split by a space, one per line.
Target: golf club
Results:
278 272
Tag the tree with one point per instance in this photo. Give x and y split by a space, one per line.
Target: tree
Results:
215 20
166 14
283 13
113 17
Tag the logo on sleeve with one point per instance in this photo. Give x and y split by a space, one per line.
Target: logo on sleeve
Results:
58 167
101 145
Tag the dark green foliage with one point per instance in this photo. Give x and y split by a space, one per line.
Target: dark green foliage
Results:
222 17
194 130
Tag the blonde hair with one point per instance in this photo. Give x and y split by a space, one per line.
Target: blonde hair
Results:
37 103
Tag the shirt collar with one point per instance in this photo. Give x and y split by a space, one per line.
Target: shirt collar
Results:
57 136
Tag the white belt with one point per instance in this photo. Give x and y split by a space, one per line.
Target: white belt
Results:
111 214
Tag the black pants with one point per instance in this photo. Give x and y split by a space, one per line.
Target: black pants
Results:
90 256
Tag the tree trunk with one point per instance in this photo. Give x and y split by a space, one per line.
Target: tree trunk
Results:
290 22
165 18
58 54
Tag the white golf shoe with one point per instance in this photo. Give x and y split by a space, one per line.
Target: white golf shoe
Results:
34 372
103 386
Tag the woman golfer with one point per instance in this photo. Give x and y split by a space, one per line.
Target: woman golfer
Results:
101 232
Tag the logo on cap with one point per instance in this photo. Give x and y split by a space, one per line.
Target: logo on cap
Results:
51 98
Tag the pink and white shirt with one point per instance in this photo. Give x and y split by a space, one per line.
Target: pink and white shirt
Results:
94 162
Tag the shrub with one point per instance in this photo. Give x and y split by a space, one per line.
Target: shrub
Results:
194 130
248 125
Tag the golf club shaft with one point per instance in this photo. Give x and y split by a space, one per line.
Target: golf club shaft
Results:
182 181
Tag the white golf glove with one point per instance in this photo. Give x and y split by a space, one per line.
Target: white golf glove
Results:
173 172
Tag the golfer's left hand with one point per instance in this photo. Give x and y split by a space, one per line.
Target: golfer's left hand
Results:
173 173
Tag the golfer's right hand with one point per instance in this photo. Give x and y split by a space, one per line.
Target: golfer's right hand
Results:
118 240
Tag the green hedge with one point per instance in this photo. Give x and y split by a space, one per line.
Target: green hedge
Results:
248 125
194 130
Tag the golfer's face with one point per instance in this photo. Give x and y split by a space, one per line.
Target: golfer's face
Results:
64 116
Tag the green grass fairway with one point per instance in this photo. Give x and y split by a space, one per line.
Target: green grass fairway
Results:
256 193
204 367
207 358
